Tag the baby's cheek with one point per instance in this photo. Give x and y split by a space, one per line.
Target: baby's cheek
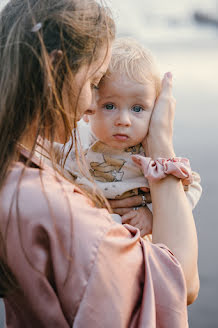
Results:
142 130
100 129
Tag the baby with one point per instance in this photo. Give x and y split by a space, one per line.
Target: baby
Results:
127 96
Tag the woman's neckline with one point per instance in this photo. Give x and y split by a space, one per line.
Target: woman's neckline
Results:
25 156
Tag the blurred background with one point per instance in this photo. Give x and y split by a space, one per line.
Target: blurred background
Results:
183 35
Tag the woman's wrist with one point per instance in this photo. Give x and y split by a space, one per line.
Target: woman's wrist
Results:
155 170
160 149
163 153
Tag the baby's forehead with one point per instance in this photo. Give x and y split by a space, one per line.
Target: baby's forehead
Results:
121 89
123 78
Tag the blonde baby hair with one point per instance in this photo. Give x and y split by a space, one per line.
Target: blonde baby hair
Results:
138 63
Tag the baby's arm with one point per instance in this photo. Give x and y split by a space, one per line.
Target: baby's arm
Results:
194 190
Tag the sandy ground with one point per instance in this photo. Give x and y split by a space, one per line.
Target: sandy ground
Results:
195 73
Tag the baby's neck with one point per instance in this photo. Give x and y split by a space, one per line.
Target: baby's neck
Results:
101 147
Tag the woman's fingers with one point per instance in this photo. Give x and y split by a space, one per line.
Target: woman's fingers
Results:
127 202
159 141
165 103
122 210
167 84
148 197
145 189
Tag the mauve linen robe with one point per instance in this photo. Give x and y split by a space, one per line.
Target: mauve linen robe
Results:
77 267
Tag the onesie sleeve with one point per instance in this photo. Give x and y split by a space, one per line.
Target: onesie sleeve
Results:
194 190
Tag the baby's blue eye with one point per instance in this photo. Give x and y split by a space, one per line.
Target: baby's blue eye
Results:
109 106
137 109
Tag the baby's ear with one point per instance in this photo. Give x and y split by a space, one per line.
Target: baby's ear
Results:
86 118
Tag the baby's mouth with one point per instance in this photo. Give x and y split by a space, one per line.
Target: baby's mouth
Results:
120 137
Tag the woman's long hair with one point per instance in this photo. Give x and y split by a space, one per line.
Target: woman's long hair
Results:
31 86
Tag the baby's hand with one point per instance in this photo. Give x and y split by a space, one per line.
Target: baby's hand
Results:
141 218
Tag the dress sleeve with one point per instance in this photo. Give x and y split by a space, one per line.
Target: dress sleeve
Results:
77 267
133 284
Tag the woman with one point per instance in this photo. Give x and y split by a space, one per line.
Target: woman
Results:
64 261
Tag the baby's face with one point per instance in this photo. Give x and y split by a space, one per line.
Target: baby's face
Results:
123 112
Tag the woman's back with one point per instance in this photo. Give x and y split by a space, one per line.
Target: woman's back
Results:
40 250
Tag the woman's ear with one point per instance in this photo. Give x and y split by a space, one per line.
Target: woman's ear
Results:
55 56
86 118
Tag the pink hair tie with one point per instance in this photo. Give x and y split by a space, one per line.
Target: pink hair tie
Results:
158 169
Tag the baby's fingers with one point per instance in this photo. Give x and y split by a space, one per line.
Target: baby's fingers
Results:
135 222
143 232
128 216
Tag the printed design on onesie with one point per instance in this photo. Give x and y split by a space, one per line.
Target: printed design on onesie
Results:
109 170
134 149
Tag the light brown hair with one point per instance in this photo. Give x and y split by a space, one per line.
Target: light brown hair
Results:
30 86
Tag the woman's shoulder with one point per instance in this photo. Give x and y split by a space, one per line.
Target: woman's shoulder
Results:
39 205
43 193
52 229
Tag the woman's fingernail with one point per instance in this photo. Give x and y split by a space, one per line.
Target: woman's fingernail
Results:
169 75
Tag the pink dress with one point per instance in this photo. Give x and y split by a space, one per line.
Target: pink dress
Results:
76 267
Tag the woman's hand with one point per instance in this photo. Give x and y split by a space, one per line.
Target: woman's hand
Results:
140 218
159 140
123 206
173 223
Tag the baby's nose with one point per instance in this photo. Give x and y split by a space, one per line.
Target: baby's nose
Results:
123 118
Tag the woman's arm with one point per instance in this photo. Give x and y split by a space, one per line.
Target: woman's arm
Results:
173 225
173 222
